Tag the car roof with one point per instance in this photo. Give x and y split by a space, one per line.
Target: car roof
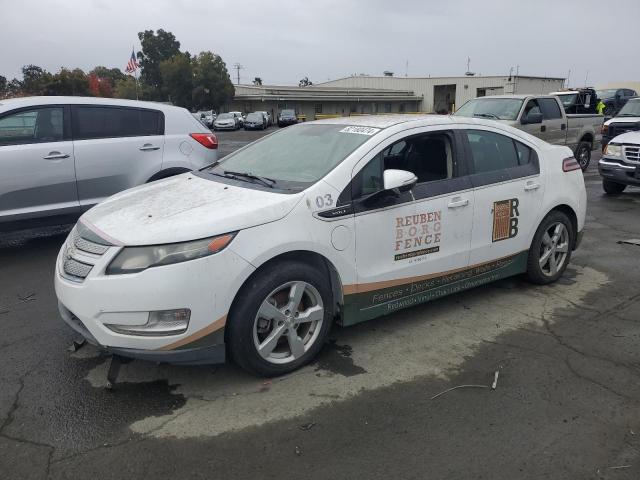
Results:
56 100
518 96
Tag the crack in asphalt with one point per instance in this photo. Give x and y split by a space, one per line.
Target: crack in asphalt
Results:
10 417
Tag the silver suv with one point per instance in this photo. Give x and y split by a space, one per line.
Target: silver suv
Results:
59 156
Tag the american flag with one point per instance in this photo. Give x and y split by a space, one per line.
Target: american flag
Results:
132 66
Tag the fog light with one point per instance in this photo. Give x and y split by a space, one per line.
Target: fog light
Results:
160 323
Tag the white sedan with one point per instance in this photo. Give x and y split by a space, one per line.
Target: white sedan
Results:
340 220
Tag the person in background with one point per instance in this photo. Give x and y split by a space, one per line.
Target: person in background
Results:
600 107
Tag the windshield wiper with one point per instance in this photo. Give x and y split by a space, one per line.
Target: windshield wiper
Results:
266 181
486 115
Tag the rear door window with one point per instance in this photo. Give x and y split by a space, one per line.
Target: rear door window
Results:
112 122
39 125
550 109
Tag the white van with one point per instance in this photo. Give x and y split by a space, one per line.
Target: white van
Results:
59 156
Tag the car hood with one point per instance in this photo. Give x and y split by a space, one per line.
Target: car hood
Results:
182 208
629 137
622 120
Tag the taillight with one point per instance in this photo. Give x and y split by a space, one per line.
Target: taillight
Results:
569 164
207 140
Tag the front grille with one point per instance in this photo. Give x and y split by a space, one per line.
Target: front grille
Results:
87 246
76 269
79 256
632 153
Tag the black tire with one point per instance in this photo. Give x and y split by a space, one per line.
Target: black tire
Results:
583 154
535 272
240 327
612 188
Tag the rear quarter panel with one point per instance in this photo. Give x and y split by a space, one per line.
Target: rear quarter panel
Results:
180 150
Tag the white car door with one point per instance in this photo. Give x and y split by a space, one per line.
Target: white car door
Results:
410 246
37 164
508 191
116 148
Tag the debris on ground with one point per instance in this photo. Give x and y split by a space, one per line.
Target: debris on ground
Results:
631 241
27 298
492 386
298 450
620 466
306 427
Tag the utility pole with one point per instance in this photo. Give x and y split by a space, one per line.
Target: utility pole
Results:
568 75
585 78
237 66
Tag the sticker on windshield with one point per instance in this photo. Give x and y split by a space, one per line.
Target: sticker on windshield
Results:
360 130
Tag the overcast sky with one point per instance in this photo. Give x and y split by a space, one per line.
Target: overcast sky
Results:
282 41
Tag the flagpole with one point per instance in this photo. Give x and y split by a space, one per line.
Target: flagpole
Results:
135 75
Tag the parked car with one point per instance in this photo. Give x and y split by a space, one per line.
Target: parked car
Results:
286 118
620 162
207 117
200 118
341 220
627 120
267 115
226 121
255 121
614 99
240 118
542 116
62 155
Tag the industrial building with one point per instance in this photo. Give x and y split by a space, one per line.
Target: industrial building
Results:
365 94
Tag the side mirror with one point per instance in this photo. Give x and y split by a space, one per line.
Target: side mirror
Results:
531 118
400 179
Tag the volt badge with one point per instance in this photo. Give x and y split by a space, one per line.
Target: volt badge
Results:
505 219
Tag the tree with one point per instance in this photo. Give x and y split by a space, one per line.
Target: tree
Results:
67 82
156 48
257 81
177 80
126 88
34 80
305 82
100 87
212 86
3 86
111 74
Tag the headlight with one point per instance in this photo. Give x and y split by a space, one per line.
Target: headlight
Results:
613 150
137 259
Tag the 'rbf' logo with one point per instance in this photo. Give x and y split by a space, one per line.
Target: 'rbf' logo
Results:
505 219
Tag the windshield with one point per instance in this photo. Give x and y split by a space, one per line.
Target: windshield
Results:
295 157
288 113
567 99
225 116
496 108
609 93
254 117
630 109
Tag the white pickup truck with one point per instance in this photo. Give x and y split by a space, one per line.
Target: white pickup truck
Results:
544 117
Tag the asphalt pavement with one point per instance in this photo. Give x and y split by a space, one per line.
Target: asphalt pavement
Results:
565 405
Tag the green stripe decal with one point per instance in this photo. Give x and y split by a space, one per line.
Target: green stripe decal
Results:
359 307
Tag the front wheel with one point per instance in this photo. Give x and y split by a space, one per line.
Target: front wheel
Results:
612 188
550 250
583 155
280 319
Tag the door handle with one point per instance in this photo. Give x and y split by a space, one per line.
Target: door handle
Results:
543 128
148 147
458 202
531 186
563 126
56 156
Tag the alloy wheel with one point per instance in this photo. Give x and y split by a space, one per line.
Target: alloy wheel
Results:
554 249
288 322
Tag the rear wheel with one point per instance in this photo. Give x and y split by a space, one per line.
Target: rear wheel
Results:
280 319
550 250
612 188
583 154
